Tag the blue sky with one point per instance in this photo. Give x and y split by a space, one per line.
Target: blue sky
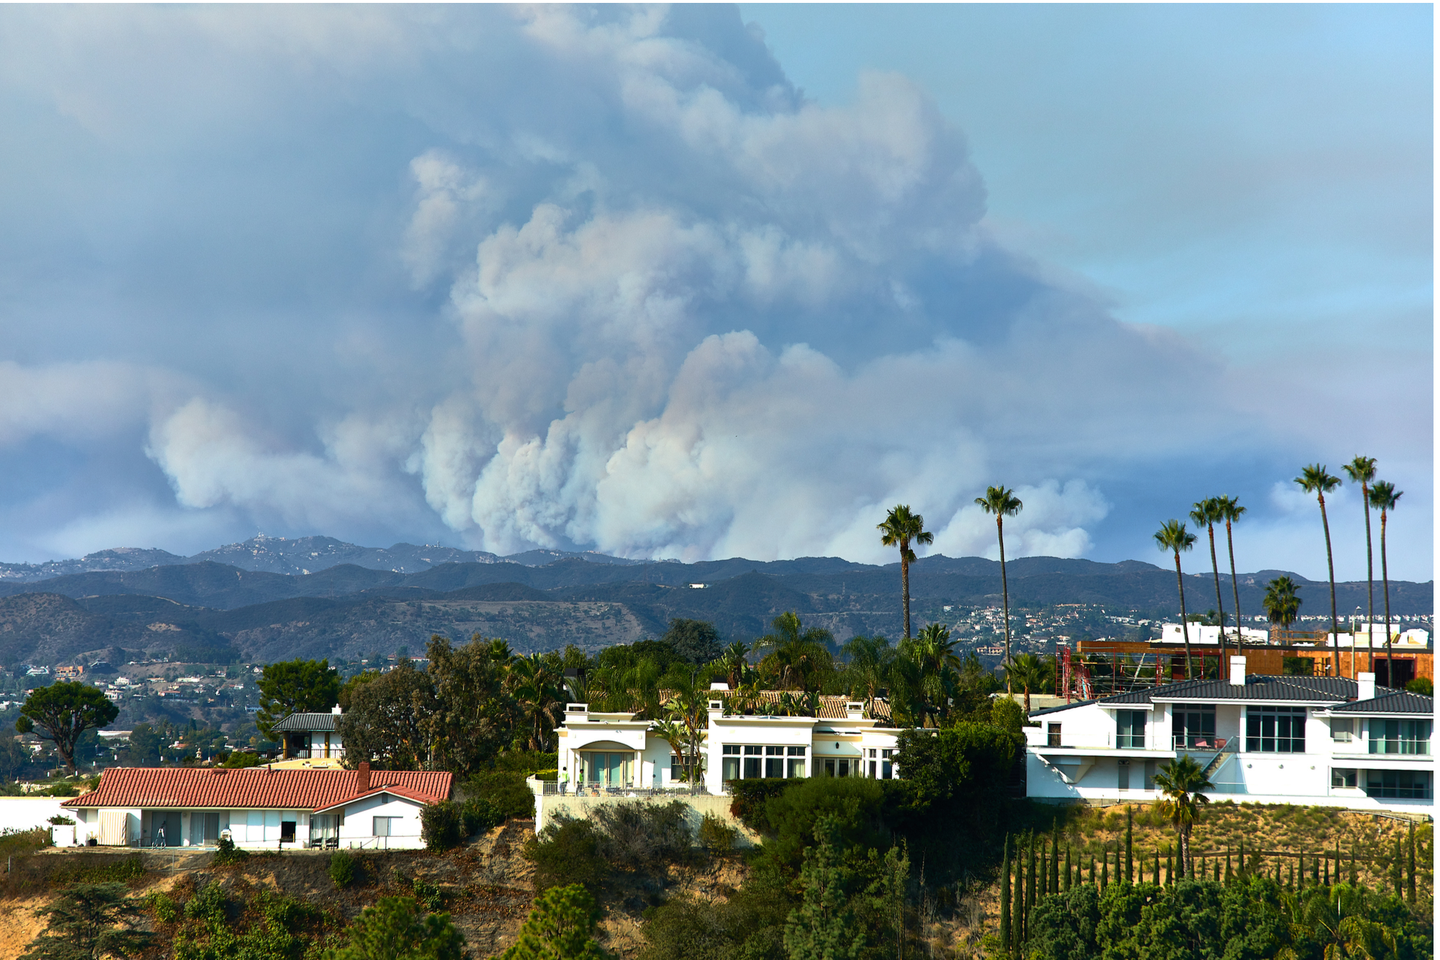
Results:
713 281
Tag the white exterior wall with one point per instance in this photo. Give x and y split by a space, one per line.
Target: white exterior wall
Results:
1086 766
18 814
753 731
358 828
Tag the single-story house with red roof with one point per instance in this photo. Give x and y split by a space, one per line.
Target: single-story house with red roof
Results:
258 807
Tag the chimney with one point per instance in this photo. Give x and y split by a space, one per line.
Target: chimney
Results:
362 777
335 710
1237 671
1366 683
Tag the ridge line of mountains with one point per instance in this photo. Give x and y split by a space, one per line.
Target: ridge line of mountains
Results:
271 598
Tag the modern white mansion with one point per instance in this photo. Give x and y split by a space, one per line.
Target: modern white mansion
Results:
614 752
1266 739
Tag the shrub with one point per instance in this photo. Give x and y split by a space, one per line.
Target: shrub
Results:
1006 714
164 907
506 792
394 929
342 869
567 852
748 799
428 894
1422 686
440 826
635 835
60 820
717 836
478 814
228 853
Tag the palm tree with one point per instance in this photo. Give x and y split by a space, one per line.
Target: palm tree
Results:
1173 536
934 653
1282 601
1181 781
1314 479
1207 513
1333 921
867 668
689 707
538 691
1230 511
734 662
1361 470
799 659
901 528
1384 496
1030 672
1002 503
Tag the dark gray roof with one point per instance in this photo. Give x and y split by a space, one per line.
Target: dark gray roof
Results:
1298 689
1391 701
303 722
1057 709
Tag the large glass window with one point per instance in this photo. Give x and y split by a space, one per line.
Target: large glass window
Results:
1052 734
1194 728
1399 784
730 762
1342 777
752 763
1129 729
1342 729
774 763
795 761
607 769
1400 736
1275 729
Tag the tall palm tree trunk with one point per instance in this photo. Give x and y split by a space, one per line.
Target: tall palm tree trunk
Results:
1369 578
1219 603
1184 624
1385 576
905 589
1004 597
1330 560
1235 587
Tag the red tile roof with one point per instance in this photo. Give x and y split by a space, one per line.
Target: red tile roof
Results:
254 788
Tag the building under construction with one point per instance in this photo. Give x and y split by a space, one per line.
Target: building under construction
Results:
1099 668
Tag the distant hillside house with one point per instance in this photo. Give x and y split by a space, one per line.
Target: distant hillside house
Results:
312 738
259 807
1326 741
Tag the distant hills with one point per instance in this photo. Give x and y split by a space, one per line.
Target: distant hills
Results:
256 601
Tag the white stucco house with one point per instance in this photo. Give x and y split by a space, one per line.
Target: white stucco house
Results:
312 739
258 807
615 752
1269 739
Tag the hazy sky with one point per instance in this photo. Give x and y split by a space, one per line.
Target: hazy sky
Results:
713 281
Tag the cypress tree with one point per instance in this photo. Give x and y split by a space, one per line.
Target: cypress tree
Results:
1157 867
1055 858
1030 884
1337 860
1278 879
1217 869
1005 896
1327 871
1315 870
1354 869
1067 868
1105 871
1017 913
1094 876
1397 868
1228 874
1292 877
1129 841
1301 858
1242 854
1169 866
1410 870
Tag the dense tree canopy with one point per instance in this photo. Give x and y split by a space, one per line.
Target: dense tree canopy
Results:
295 686
62 712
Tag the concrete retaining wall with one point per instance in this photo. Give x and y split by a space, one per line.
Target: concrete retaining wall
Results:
547 807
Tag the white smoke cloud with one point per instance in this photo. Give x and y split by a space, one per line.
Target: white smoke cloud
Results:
577 277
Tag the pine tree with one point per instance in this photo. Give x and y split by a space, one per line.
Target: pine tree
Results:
91 920
822 927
